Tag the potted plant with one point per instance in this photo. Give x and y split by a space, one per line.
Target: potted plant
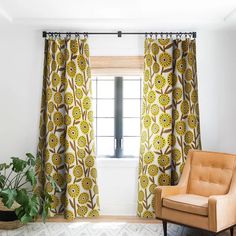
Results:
19 204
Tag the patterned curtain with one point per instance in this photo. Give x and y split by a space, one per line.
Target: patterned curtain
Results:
66 142
170 116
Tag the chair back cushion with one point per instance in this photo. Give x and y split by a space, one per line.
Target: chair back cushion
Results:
210 173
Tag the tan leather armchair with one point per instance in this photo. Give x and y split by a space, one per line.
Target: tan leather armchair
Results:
205 196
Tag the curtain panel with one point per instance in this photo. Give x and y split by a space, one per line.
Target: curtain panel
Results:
66 142
170 116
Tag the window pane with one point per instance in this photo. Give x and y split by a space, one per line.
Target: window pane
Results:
105 88
105 108
105 126
131 107
131 126
131 146
105 146
94 88
131 89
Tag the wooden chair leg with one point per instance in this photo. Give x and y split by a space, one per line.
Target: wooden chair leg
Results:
232 231
164 223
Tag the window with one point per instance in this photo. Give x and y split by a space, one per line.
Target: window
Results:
117 108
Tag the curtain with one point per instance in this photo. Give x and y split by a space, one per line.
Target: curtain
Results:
170 116
66 142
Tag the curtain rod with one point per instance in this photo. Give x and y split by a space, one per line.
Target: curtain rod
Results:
119 33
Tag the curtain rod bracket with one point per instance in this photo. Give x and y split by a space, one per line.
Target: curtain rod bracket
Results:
119 34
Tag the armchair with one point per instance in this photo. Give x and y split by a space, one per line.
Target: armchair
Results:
205 196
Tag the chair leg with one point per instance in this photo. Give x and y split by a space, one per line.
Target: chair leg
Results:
164 224
232 231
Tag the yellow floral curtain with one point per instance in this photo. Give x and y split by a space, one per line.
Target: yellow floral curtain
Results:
66 143
170 116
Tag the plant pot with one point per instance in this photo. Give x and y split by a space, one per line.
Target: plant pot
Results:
8 218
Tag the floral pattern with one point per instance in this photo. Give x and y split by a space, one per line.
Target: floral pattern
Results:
170 116
66 142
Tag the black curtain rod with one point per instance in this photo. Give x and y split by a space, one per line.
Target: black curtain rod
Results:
119 33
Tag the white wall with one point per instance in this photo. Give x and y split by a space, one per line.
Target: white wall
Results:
21 60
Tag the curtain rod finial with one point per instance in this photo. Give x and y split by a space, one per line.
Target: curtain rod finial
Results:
44 34
194 34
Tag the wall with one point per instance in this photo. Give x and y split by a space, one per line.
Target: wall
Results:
21 60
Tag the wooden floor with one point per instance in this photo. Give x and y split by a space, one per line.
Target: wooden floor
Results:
174 230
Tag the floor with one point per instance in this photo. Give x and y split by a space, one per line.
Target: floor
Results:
103 226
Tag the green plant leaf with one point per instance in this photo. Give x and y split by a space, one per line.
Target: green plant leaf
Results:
4 166
22 197
18 164
26 218
31 159
30 176
53 183
2 181
33 206
8 197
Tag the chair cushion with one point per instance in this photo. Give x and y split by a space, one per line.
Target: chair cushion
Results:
190 203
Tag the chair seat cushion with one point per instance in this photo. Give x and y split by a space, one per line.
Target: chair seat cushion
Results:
191 203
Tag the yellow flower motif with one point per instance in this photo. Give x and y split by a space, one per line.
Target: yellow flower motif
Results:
95 189
140 208
163 160
190 58
163 42
184 46
152 170
48 168
194 96
79 93
177 94
175 176
58 118
154 109
188 137
144 181
165 59
54 65
81 62
192 121
73 132
172 79
155 67
145 89
60 59
54 46
50 107
175 114
155 128
189 74
87 183
48 94
171 140
50 125
79 79
82 141
71 69
140 195
62 139
59 179
165 120
93 213
56 159
66 54
164 179
69 158
68 178
176 53
181 65
49 58
68 98
159 142
78 172
69 215
164 99
160 81
76 113
53 140
148 60
90 116
147 121
83 198
55 202
184 107
81 153
94 173
148 157
152 188
67 120
74 46
155 48
49 187
87 103
47 155
186 149
56 79
86 50
57 98
180 127
89 161
151 96
82 210
146 75
73 190
176 155
84 126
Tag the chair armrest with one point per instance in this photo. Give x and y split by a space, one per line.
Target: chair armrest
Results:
221 211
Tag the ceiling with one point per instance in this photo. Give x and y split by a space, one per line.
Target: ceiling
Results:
141 15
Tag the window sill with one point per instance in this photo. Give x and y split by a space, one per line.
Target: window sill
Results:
107 162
